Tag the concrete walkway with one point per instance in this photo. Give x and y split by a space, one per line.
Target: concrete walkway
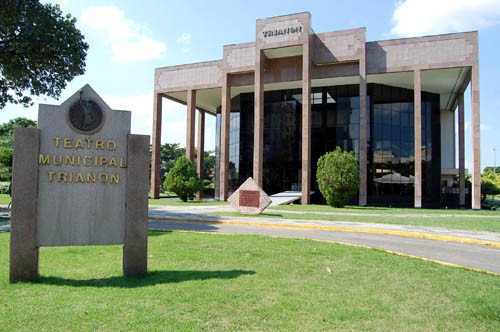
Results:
285 197
190 214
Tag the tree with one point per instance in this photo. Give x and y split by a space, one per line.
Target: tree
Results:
338 177
490 184
7 143
169 153
488 188
209 167
40 51
492 169
183 179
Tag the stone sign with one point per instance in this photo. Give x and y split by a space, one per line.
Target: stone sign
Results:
249 198
84 178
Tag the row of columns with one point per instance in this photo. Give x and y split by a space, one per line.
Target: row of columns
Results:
306 134
190 130
306 127
190 138
476 155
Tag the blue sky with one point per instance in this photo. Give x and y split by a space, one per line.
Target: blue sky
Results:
128 39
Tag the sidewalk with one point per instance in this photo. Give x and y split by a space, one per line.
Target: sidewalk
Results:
193 214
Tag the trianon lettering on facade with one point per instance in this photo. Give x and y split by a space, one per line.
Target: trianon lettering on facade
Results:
281 32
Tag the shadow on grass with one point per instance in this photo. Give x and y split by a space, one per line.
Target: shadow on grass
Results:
151 279
158 233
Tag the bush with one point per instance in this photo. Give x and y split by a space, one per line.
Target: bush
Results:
338 177
183 179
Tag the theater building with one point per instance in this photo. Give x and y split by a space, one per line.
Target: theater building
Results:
293 94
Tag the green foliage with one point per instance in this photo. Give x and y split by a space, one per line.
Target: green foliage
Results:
4 187
209 167
170 152
492 169
490 184
7 143
338 177
40 51
468 181
183 179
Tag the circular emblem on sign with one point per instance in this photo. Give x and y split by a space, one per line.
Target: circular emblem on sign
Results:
85 116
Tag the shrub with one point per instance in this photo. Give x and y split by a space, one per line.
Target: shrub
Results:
338 177
183 179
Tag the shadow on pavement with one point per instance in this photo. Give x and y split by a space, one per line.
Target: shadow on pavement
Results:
181 225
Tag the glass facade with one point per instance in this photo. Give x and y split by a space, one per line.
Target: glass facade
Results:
392 159
335 122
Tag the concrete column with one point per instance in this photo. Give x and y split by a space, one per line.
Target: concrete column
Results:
23 243
200 159
363 123
476 147
156 158
190 122
258 131
201 143
461 150
224 144
306 124
418 137
135 244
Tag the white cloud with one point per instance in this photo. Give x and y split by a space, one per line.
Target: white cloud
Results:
141 107
424 17
484 127
185 38
129 41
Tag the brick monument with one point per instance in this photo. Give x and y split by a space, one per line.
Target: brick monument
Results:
249 198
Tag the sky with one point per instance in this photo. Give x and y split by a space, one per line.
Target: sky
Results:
128 39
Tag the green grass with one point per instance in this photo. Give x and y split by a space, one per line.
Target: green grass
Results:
375 210
4 199
200 282
476 224
178 202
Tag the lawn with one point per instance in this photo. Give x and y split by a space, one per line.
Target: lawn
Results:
475 223
246 283
5 199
